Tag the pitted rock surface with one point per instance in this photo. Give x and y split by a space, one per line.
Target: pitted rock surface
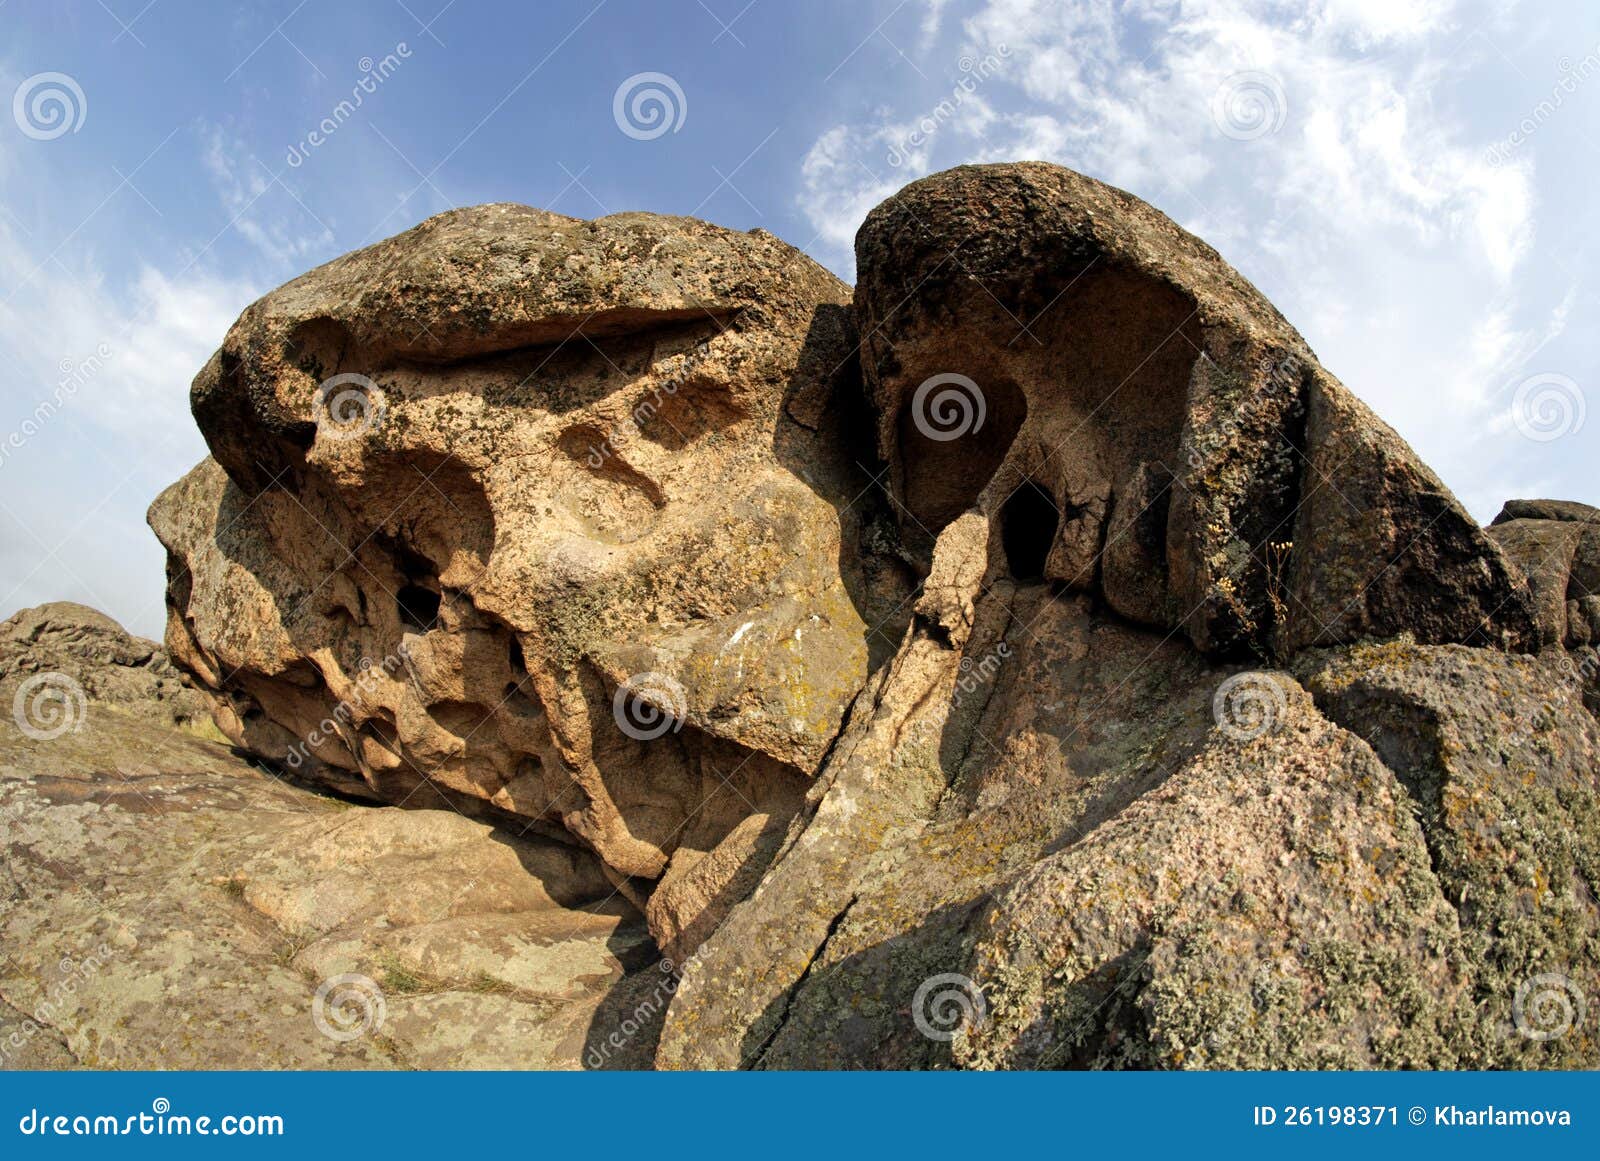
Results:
589 452
1040 619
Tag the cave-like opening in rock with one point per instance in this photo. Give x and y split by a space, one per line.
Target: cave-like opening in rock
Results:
951 440
1028 524
419 607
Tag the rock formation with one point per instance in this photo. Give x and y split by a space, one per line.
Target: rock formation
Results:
64 653
555 456
1034 660
1557 545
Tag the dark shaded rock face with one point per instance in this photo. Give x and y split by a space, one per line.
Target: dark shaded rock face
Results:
970 768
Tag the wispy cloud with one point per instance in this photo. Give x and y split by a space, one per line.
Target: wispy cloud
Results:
1309 141
260 205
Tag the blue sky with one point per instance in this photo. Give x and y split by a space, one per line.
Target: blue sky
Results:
1411 182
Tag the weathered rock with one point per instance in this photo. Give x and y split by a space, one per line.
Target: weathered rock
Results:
1210 923
593 545
1546 510
594 472
1504 767
164 904
65 653
1047 837
1544 550
1098 347
1556 544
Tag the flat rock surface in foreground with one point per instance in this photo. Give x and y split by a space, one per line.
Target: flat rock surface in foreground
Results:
164 904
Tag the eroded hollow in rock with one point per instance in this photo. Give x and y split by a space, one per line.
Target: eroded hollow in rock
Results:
418 607
943 473
1028 523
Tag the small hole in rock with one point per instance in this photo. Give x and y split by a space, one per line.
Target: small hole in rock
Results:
1028 525
419 607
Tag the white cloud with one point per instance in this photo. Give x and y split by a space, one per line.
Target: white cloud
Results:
141 342
1340 177
94 379
1130 93
839 190
250 194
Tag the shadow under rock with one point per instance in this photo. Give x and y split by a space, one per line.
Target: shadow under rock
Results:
830 444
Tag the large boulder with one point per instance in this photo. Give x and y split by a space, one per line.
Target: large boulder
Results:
63 654
1145 426
1059 827
560 520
